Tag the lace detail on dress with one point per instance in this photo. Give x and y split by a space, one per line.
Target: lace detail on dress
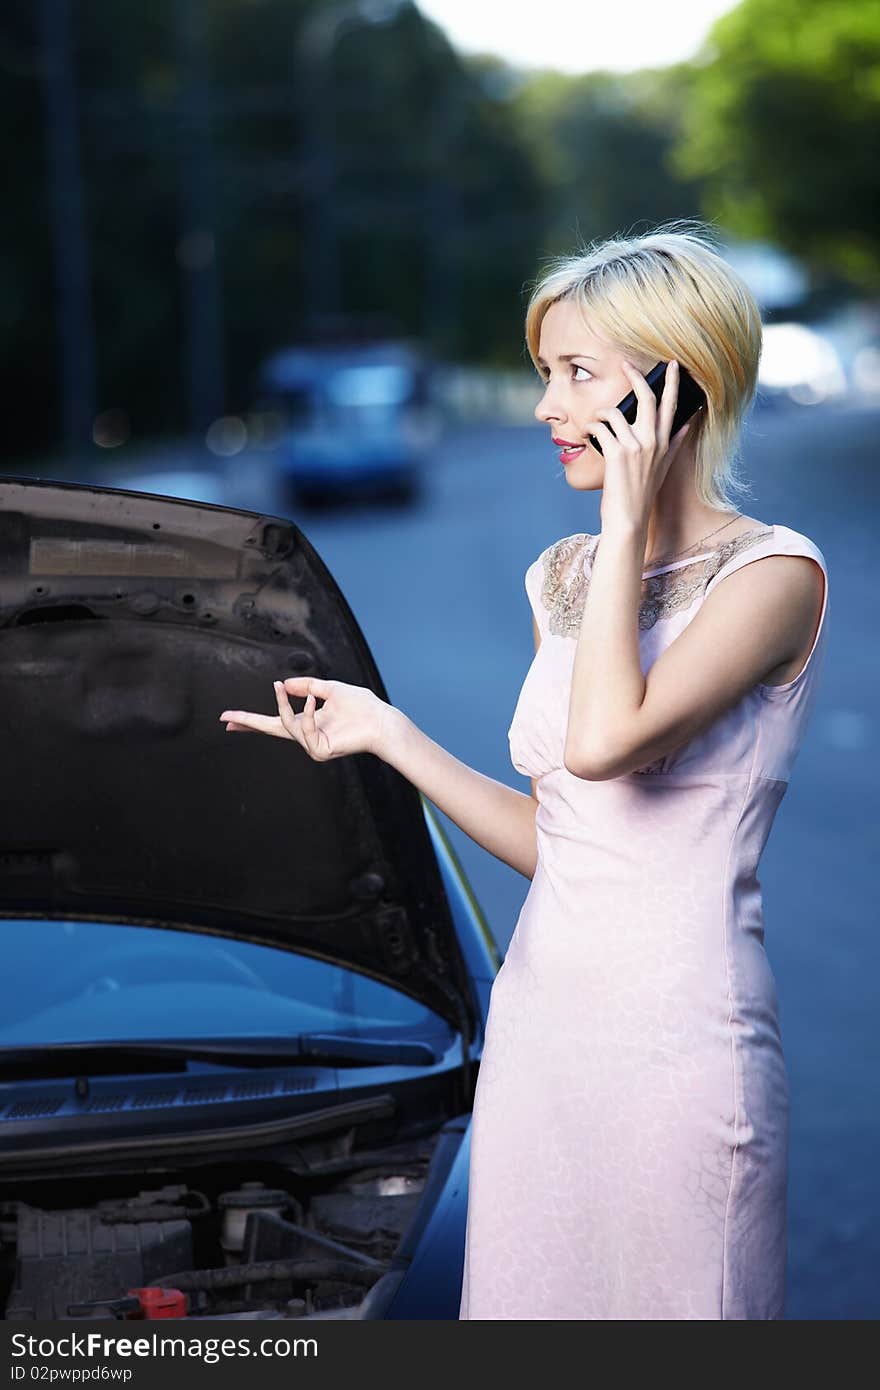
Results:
566 580
564 587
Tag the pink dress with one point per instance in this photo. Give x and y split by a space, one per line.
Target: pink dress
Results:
629 1142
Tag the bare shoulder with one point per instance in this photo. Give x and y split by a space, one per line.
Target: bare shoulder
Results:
782 594
791 582
755 626
801 585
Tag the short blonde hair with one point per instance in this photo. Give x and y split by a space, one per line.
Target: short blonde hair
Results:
669 293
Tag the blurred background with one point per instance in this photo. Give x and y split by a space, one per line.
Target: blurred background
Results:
274 254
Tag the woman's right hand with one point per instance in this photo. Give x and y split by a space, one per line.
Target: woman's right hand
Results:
352 718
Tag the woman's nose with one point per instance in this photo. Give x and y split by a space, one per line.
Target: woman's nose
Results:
547 409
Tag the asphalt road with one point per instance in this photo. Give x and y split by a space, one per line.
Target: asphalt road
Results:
438 591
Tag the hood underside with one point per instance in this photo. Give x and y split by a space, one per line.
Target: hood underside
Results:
128 622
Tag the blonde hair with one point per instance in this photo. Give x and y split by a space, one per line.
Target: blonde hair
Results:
669 293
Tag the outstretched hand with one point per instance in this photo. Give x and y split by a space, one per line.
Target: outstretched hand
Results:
351 719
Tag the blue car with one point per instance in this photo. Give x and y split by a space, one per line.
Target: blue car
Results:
244 993
357 419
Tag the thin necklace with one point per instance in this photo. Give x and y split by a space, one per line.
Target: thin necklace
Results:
651 563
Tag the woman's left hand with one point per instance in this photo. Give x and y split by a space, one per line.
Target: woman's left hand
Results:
638 456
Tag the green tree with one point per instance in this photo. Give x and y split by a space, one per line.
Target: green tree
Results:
434 209
782 123
601 143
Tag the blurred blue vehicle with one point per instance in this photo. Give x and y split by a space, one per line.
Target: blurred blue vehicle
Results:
356 418
243 994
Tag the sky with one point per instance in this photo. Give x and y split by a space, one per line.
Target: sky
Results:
574 36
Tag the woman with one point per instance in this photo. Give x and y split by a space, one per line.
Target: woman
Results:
629 1140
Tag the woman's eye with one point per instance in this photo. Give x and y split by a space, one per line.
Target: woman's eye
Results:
545 376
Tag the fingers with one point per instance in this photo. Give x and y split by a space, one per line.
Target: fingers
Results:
644 394
669 399
295 724
246 722
618 423
647 400
310 725
233 724
307 685
603 433
302 728
314 689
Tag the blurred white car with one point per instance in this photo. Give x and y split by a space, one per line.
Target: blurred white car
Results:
801 364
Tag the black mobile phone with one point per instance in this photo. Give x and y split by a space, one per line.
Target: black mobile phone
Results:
691 398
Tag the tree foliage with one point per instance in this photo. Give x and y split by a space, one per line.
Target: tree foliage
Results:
368 166
782 124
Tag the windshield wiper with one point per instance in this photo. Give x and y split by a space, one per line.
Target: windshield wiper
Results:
132 1057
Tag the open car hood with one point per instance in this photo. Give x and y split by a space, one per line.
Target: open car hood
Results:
128 622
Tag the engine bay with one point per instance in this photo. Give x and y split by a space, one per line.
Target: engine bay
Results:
252 1238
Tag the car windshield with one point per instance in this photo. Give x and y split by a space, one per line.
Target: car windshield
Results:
86 981
369 386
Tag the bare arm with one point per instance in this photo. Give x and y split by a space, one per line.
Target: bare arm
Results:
494 815
353 719
754 620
